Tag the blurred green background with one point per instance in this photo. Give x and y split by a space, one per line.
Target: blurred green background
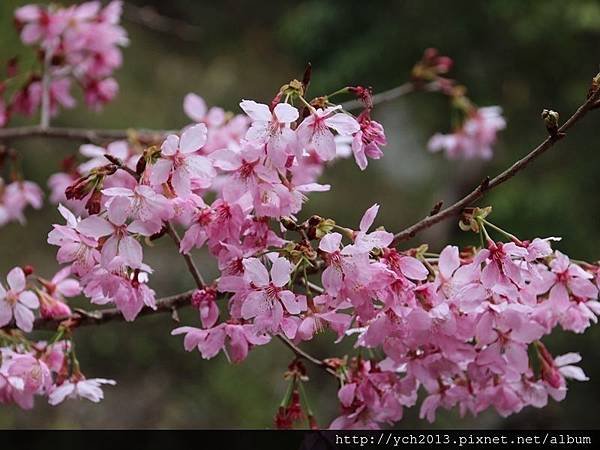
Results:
522 55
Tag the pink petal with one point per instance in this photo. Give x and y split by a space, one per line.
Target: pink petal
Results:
285 113
346 394
413 268
23 317
95 227
280 272
193 138
194 106
6 313
170 145
161 171
256 111
29 299
368 218
254 304
330 242
294 304
343 124
256 272
449 261
118 210
16 279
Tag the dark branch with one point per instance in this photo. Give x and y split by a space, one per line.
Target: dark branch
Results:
82 134
81 318
486 185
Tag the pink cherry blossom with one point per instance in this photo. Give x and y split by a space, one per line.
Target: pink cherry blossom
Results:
120 242
474 139
85 388
181 165
75 247
315 131
195 108
267 297
367 141
17 301
272 128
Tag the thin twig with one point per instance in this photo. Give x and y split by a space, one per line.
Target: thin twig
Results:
392 94
487 185
83 134
83 318
188 258
304 355
151 136
148 17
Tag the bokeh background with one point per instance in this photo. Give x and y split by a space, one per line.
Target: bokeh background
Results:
524 56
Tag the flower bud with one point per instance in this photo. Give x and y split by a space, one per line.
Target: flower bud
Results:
550 118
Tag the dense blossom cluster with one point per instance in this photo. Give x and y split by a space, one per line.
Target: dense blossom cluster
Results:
44 370
29 369
459 325
463 326
77 44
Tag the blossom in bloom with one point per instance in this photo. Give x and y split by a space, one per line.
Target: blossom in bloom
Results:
376 239
195 108
15 197
272 128
209 342
52 296
84 388
315 131
180 164
371 396
75 247
367 141
22 377
97 93
474 139
84 43
205 301
267 297
40 24
17 301
120 241
142 203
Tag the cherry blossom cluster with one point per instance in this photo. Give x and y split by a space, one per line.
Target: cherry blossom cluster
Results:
47 370
38 368
15 197
18 194
258 165
464 326
79 43
474 129
460 325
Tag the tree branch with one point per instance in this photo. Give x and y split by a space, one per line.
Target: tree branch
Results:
81 318
392 94
152 136
82 134
302 354
148 17
487 185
